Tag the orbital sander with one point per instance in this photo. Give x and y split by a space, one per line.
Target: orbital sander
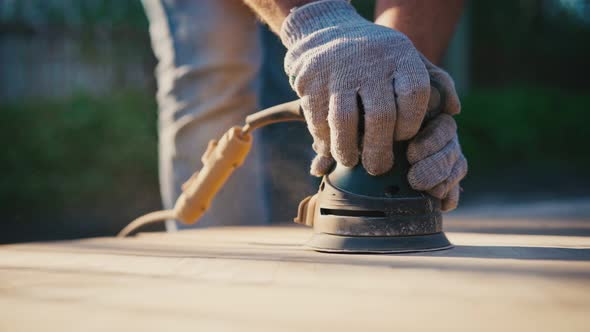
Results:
353 211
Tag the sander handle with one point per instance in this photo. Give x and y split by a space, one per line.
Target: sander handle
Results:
290 111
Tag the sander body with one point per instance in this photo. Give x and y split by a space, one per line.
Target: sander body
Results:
359 213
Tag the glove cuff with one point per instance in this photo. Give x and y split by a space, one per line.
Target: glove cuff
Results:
316 16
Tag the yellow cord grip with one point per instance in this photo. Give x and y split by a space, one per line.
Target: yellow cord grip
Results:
219 161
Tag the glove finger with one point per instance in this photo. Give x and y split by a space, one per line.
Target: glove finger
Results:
412 88
433 170
315 110
457 174
452 200
452 104
321 165
432 138
379 117
343 119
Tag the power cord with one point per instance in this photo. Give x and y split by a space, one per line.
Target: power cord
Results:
150 218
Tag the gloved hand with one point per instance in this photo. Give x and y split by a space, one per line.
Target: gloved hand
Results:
437 163
335 55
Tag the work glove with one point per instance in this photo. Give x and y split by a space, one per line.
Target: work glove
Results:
437 163
334 56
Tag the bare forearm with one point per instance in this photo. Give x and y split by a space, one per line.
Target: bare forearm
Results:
428 23
274 12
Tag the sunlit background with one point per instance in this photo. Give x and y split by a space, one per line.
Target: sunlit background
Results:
78 113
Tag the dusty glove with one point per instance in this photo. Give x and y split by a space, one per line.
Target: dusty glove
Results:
335 55
437 163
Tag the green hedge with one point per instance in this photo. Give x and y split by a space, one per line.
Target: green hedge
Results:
516 125
83 151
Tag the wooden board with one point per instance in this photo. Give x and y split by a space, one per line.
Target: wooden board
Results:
261 279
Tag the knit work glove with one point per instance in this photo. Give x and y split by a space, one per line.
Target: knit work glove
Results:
334 56
437 163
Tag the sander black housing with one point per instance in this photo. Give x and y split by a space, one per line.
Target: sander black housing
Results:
359 213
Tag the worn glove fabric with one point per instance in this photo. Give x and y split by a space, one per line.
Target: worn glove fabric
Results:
335 55
437 163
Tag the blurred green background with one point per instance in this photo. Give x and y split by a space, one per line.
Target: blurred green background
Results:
79 115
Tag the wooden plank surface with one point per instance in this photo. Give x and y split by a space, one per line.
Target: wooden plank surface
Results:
261 279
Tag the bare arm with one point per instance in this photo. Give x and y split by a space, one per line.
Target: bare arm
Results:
428 23
273 12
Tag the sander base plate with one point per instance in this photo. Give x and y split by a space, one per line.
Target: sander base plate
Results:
331 243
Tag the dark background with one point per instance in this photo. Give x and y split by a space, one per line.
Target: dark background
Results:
78 115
